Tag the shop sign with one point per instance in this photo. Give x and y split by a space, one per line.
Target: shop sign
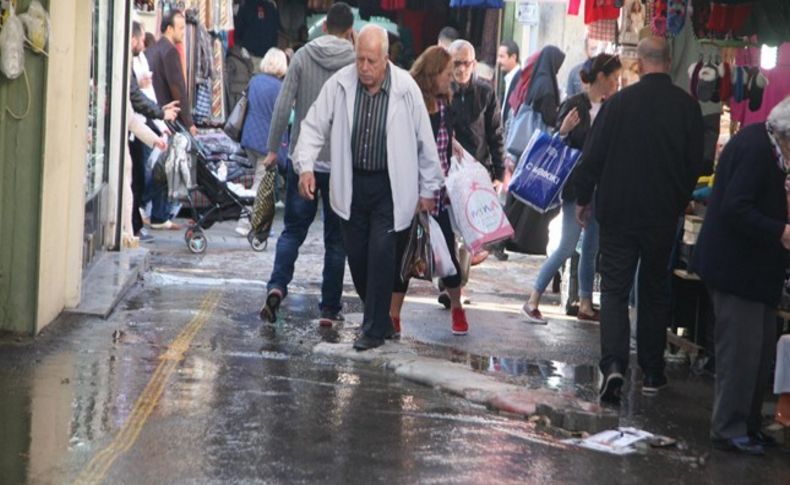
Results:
527 12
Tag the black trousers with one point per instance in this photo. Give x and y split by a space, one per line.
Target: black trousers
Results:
370 239
452 282
137 150
619 252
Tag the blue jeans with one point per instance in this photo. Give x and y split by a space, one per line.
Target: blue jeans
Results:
571 231
156 194
299 215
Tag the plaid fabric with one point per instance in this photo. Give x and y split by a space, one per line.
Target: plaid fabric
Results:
202 109
442 143
603 30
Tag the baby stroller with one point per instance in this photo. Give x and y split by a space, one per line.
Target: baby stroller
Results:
227 201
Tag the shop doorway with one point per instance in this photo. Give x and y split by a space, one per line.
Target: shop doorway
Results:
98 156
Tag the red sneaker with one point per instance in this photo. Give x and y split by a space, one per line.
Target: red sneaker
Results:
460 325
395 328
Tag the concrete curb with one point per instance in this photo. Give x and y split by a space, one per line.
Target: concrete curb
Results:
564 411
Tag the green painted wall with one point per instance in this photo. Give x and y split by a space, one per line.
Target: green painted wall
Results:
21 162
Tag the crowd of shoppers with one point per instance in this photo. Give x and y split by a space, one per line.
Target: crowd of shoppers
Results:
374 143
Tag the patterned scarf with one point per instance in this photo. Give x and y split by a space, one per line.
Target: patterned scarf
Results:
783 164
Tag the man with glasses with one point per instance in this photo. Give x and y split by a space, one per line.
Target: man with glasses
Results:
478 127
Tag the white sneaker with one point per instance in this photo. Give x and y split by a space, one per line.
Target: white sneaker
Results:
243 227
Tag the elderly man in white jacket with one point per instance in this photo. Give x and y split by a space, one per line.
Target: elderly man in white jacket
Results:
384 166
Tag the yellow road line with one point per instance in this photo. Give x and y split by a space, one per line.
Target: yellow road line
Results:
100 464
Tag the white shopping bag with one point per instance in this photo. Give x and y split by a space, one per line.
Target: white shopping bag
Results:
477 213
443 266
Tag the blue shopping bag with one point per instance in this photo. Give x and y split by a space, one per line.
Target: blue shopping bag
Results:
542 171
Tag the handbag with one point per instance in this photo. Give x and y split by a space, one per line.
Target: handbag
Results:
525 122
235 124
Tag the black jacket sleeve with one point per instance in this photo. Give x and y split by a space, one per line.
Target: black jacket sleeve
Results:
494 136
578 135
141 104
588 171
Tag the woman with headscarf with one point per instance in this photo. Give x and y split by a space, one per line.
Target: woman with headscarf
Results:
536 98
535 101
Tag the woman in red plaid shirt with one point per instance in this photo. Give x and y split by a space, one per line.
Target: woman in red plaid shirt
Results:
433 73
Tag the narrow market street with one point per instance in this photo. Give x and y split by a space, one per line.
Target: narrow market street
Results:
180 385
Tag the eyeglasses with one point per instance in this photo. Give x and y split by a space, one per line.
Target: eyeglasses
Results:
462 63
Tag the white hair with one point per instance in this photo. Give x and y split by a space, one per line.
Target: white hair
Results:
275 62
461 45
379 32
779 119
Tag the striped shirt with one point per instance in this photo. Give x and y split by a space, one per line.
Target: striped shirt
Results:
369 136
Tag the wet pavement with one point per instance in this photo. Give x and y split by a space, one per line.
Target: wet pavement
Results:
180 385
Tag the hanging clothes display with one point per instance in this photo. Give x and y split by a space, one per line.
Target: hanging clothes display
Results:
603 31
595 10
477 3
777 88
257 25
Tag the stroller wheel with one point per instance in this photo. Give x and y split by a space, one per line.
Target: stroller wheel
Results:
196 241
258 242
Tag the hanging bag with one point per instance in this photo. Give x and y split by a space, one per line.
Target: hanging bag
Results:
542 171
235 124
476 210
442 261
417 259
12 47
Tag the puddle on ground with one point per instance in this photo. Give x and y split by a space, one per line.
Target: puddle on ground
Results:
581 380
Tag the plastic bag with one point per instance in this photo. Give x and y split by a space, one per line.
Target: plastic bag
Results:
542 171
417 259
477 213
36 22
12 47
442 261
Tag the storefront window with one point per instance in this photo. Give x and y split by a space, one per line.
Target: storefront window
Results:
99 108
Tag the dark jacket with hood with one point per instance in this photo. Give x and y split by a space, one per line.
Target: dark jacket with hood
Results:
310 67
543 94
478 124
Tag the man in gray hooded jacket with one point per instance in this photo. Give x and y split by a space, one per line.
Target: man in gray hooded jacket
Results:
311 66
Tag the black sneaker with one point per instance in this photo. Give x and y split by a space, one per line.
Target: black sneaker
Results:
329 317
743 444
444 300
653 382
763 439
269 311
500 254
612 385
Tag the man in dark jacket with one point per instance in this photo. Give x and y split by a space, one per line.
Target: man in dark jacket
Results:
478 127
644 156
165 63
478 121
741 255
